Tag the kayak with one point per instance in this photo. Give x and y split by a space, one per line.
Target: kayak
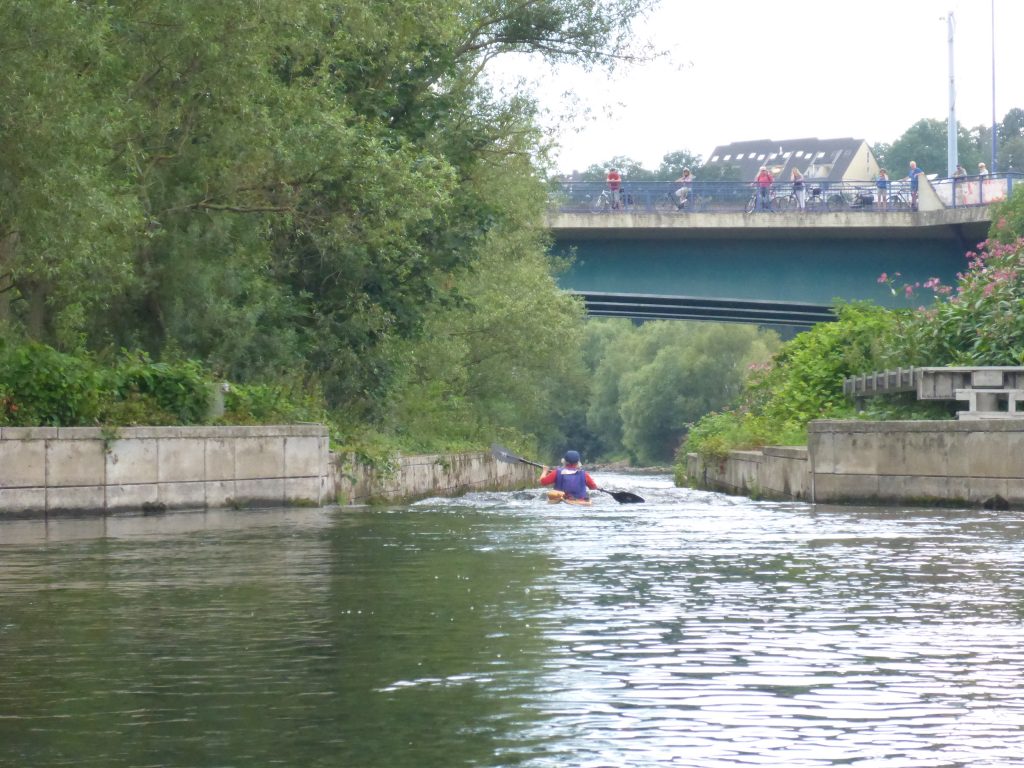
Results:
558 497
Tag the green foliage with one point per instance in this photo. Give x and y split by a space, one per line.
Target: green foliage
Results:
650 382
271 404
804 381
181 390
42 387
286 190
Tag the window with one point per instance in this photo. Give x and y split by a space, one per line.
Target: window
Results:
761 156
714 158
727 158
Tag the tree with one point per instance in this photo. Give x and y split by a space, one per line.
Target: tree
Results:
291 195
673 163
653 380
925 143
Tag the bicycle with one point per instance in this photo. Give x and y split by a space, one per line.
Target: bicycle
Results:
753 204
669 202
897 202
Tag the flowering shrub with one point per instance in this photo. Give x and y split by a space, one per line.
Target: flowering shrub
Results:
978 322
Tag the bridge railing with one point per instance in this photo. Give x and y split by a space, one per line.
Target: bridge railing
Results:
735 196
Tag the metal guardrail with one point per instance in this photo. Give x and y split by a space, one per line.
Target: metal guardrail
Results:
741 196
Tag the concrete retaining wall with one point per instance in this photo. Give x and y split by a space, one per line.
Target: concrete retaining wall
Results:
427 475
953 462
913 462
48 470
83 470
775 472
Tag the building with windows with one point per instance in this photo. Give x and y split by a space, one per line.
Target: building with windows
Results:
822 159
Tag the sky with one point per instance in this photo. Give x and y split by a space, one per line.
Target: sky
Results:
741 70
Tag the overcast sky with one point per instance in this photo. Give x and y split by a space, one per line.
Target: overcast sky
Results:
786 69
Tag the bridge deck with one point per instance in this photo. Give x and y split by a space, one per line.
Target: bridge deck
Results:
771 268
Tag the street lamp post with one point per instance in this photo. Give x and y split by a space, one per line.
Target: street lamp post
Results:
993 166
951 131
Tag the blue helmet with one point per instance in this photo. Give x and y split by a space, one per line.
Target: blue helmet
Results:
572 457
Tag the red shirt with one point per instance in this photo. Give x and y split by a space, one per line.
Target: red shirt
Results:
764 179
614 179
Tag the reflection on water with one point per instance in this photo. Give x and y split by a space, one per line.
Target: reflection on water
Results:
497 630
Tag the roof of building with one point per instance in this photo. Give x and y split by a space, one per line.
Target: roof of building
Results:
816 158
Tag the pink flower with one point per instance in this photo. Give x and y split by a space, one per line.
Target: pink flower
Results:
883 278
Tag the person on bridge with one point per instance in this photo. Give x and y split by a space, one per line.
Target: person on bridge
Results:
913 175
570 478
799 191
882 183
764 183
614 180
982 169
684 191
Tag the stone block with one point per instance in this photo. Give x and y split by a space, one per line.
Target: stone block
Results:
220 493
79 433
821 450
182 459
981 488
1015 492
131 462
220 459
75 462
923 453
79 498
131 496
993 454
259 458
260 493
28 433
829 488
856 452
21 501
303 490
22 463
183 495
303 457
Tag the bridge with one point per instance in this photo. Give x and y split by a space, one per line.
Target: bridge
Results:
781 267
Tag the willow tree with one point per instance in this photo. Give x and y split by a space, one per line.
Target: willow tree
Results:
277 187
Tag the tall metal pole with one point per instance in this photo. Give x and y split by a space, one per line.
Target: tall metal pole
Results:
993 166
951 131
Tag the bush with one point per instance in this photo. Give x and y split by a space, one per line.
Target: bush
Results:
161 393
803 382
40 386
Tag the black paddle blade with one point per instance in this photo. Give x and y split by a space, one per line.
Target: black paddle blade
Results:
624 497
505 455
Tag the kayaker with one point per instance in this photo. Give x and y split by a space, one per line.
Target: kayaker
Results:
570 478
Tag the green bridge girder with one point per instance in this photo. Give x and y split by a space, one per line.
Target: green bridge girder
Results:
772 269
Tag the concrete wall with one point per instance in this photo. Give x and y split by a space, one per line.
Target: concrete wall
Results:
46 470
428 475
83 470
954 462
913 462
775 472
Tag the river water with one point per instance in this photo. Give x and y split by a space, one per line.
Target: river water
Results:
495 630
